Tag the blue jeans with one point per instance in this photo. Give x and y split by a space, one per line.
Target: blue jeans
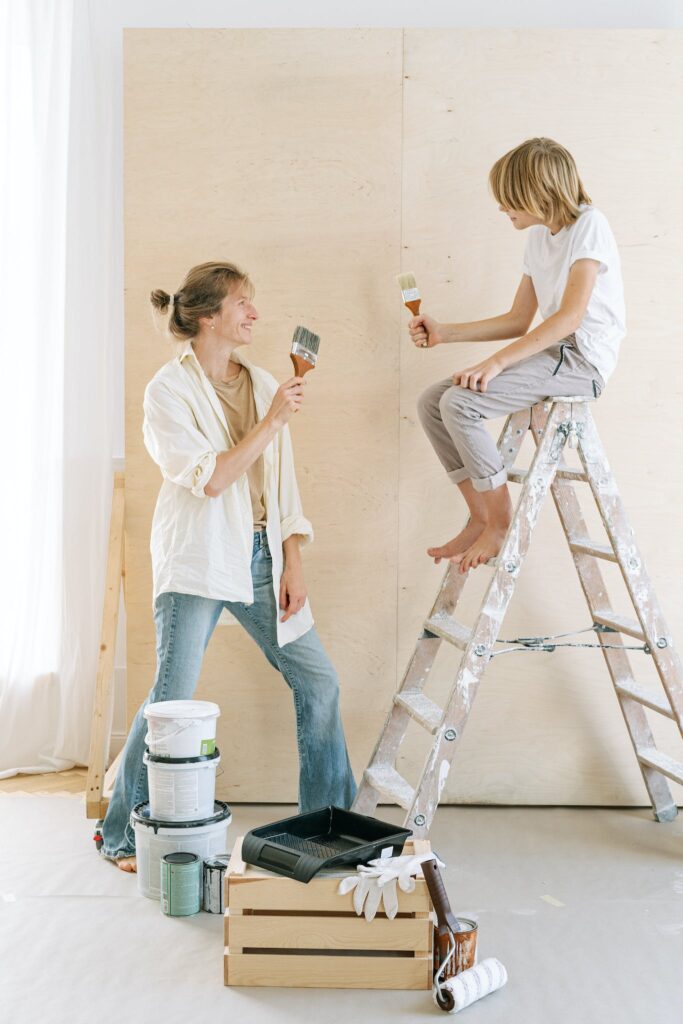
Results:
184 624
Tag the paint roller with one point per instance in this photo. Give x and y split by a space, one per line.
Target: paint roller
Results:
457 982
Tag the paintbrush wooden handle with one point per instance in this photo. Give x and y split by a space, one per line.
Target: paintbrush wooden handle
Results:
414 306
301 365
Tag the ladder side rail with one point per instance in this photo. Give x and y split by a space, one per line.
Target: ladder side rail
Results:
487 626
616 658
611 507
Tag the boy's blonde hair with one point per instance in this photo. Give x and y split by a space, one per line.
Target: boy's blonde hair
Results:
539 177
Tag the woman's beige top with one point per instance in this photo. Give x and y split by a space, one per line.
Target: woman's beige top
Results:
237 398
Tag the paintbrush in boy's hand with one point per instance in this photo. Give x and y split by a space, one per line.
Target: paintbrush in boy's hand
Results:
411 300
304 352
410 293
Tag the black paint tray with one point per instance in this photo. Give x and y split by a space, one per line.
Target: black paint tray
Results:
330 837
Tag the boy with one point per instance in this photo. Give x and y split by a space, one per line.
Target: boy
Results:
571 272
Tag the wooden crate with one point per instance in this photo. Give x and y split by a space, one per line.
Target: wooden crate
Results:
283 933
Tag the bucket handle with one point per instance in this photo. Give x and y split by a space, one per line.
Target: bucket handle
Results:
188 723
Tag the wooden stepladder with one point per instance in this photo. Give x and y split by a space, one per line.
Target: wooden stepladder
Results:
553 424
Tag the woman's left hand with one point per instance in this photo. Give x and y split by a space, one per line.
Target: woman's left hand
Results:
476 378
292 591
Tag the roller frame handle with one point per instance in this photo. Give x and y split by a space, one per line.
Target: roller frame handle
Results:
444 915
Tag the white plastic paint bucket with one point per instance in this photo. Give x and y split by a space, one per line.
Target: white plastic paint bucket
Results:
154 839
181 789
181 728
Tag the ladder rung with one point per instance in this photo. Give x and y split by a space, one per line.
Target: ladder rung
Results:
586 546
518 476
389 783
449 629
654 758
646 697
606 617
421 708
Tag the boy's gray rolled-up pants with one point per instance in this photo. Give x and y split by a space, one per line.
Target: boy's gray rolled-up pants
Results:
453 416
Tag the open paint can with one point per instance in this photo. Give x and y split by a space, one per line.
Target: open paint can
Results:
213 901
465 955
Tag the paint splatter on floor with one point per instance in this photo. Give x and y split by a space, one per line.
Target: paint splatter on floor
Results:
553 902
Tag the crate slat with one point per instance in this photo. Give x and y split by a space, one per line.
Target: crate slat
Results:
258 893
285 932
328 971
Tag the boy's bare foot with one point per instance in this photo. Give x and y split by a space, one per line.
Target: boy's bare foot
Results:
487 545
456 548
128 864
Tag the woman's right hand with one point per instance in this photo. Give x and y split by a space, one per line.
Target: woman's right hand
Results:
425 332
286 401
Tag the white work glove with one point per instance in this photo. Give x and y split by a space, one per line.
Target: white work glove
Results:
375 883
367 894
404 868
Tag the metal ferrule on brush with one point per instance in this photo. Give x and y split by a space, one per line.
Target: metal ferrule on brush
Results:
305 353
410 294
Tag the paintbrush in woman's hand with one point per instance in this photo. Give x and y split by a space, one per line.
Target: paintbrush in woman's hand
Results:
304 352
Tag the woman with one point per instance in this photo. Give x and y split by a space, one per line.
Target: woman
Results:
226 534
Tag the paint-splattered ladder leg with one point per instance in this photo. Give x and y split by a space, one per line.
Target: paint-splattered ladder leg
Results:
641 592
597 598
488 622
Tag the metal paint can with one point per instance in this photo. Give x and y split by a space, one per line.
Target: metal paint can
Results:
213 887
465 944
465 955
181 880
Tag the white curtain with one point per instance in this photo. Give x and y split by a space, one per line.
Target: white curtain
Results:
55 407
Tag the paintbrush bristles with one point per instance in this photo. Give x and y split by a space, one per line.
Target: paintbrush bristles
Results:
305 341
407 282
409 289
409 292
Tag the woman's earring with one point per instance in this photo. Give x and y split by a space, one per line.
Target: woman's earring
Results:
213 327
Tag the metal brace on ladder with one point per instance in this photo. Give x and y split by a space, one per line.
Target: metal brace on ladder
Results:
554 423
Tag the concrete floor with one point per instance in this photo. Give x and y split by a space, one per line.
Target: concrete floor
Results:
583 906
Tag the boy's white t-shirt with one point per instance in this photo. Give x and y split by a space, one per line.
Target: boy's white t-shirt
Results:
547 260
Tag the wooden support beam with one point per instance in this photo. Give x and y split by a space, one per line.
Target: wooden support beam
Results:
104 688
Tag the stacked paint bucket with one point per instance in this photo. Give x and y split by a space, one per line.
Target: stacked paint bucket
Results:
181 834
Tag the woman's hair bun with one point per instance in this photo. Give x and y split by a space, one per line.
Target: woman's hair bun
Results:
161 300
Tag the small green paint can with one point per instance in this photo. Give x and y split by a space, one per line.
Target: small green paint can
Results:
181 884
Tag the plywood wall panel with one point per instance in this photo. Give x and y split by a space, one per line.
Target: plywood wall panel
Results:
326 161
547 728
279 150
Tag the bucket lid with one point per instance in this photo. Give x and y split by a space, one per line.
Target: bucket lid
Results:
140 816
181 858
180 760
182 709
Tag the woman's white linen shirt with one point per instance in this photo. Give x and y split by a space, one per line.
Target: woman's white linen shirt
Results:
202 545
